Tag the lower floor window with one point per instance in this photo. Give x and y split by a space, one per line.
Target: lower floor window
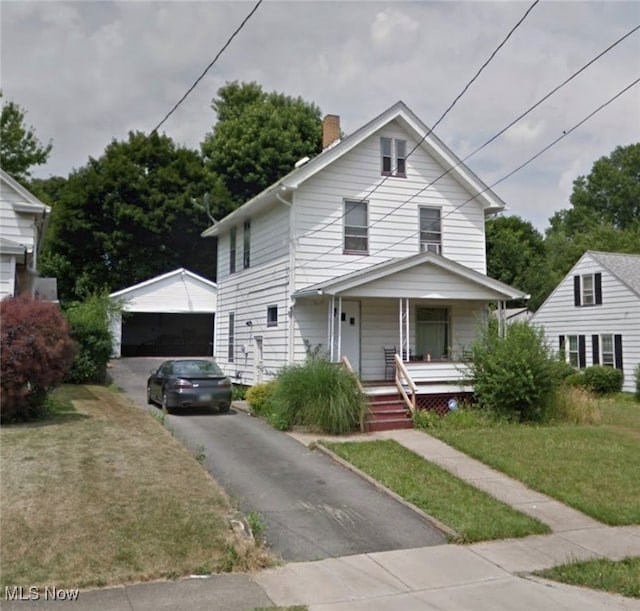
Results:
607 353
572 350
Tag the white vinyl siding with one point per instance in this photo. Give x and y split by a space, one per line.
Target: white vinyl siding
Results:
619 314
249 293
393 232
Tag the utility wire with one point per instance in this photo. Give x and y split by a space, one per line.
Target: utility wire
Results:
506 176
496 136
213 61
442 116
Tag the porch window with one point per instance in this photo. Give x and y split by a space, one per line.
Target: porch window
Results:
430 230
356 232
432 333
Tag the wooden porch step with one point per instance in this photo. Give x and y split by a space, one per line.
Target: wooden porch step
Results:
388 425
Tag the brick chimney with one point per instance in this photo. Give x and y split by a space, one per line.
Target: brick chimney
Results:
330 130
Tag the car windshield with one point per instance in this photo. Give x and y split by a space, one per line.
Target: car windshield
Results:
196 368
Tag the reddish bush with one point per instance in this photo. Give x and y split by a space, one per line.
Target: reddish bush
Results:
36 353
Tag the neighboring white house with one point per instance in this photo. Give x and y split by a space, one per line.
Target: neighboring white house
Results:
593 315
370 244
23 219
169 315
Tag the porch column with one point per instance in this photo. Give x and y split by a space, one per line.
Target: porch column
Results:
331 326
339 328
400 326
403 323
408 333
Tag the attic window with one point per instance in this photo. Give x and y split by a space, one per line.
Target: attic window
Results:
393 154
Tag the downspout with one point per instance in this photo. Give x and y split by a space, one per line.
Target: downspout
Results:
292 279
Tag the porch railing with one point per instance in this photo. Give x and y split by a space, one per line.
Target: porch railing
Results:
346 363
404 379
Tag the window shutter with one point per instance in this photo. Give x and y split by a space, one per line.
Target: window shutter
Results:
582 356
595 348
561 343
598 288
617 346
576 290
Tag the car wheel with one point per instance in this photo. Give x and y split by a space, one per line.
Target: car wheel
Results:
223 409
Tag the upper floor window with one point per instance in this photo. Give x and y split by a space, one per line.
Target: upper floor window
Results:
246 251
394 157
272 316
356 231
587 289
232 251
430 230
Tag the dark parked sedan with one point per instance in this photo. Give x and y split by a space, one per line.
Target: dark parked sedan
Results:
189 383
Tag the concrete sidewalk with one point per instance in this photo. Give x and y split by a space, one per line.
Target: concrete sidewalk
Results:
489 576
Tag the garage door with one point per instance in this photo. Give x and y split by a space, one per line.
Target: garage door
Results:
167 334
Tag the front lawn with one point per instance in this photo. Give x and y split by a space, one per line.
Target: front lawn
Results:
593 468
100 494
622 576
472 513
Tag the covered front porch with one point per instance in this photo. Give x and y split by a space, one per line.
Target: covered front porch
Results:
406 326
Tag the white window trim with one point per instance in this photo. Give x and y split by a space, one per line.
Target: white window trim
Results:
349 251
568 352
424 246
272 323
613 349
592 292
394 158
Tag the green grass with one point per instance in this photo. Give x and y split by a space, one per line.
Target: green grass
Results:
622 576
593 468
472 513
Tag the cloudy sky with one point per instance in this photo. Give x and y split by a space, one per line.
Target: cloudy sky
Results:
87 72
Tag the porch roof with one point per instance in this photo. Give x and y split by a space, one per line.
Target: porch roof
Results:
9 247
425 275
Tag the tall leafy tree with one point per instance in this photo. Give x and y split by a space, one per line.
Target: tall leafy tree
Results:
20 149
605 212
135 212
259 137
516 256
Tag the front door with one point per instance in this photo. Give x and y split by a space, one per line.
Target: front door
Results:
350 333
258 360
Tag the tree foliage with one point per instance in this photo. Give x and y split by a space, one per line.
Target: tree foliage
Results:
132 214
259 137
37 352
516 256
20 149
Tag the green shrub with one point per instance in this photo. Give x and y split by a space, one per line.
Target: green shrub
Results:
637 373
461 418
514 375
603 380
36 353
260 396
239 392
319 394
563 370
576 379
89 322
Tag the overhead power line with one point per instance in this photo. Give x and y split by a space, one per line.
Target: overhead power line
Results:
444 114
564 134
211 64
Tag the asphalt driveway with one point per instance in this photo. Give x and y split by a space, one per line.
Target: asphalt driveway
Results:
312 507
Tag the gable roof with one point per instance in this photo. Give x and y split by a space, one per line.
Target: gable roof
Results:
31 203
625 268
398 112
388 268
178 272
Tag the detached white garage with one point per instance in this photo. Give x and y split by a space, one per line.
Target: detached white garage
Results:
169 315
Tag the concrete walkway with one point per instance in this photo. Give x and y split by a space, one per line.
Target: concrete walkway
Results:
491 576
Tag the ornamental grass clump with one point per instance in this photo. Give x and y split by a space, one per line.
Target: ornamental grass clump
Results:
320 395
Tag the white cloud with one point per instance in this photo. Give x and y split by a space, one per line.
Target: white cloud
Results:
87 72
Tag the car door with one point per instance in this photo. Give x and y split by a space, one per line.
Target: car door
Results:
158 380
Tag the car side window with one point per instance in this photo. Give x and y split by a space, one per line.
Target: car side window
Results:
164 370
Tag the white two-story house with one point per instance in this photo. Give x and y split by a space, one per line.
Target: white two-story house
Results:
23 219
377 242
